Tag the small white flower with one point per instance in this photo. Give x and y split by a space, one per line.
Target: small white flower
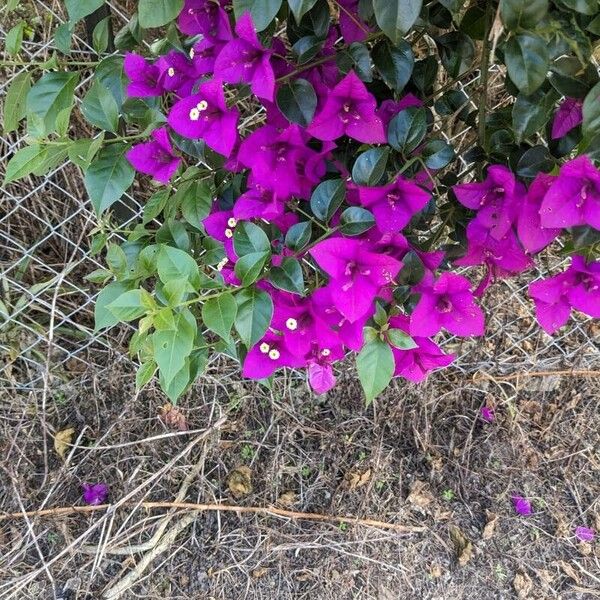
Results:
202 105
191 53
171 72
228 233
264 348
325 352
231 222
194 114
274 354
222 264
291 324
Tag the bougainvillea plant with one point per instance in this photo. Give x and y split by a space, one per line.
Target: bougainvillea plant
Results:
329 177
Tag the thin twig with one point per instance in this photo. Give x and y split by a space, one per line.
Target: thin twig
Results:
261 510
525 375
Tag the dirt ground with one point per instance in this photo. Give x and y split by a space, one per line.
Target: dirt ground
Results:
420 457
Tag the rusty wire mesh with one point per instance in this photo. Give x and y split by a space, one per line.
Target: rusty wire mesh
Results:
45 223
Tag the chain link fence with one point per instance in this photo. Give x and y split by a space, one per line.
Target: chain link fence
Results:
46 325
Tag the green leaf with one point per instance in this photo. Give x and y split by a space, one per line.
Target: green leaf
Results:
249 267
262 11
248 238
218 314
288 276
523 14
326 199
457 52
111 75
174 291
356 58
179 384
255 310
437 154
370 166
144 374
400 339
591 111
196 203
15 101
156 13
527 60
63 36
173 346
300 7
375 366
356 220
52 93
78 9
108 177
407 129
100 36
155 205
102 316
81 152
533 161
413 269
396 17
298 235
129 305
164 319
25 162
100 108
395 64
297 101
116 260
307 47
173 263
531 113
14 39
585 7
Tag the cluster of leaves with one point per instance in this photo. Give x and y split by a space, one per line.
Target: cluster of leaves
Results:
169 274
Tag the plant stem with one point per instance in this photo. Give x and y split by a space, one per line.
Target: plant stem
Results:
485 60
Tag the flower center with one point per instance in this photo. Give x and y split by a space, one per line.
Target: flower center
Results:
444 305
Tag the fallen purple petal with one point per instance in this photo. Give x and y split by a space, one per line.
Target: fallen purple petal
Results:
94 493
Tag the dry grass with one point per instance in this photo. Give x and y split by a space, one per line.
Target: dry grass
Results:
420 456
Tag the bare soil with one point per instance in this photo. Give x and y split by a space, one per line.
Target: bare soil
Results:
421 456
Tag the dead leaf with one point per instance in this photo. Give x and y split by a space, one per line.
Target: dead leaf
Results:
490 526
462 545
172 417
569 571
435 570
522 585
62 441
260 572
287 499
419 494
355 479
585 548
240 481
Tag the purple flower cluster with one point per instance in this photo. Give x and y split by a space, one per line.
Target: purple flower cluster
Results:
282 163
513 223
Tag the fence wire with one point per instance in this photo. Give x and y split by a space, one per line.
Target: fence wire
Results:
45 225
